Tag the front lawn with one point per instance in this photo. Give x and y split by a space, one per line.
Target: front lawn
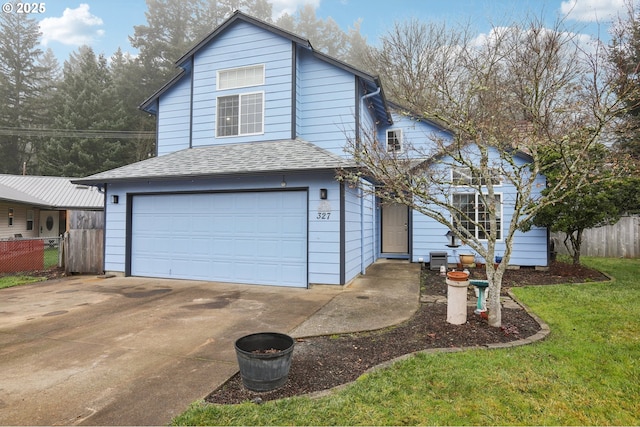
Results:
587 372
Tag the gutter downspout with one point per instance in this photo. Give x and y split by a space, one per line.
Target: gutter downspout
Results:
362 266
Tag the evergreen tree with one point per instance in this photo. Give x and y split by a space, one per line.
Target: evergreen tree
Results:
20 85
126 73
324 35
174 26
86 100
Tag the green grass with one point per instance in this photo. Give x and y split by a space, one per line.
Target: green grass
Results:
587 372
50 257
10 281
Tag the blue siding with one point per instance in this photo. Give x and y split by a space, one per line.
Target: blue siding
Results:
353 233
323 231
369 235
174 118
529 249
326 103
419 135
242 45
359 230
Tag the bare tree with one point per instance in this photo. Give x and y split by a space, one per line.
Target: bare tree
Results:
505 98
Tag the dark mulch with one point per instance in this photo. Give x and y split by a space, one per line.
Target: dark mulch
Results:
321 363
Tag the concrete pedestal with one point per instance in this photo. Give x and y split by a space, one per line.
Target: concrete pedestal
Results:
457 301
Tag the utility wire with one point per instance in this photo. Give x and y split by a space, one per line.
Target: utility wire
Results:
72 133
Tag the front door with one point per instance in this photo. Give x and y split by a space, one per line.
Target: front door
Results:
395 228
49 223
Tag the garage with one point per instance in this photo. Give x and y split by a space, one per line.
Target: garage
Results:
253 237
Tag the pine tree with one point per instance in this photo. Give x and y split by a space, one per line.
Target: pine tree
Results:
86 100
20 86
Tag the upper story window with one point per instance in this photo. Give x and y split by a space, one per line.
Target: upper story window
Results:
234 78
394 141
242 113
464 177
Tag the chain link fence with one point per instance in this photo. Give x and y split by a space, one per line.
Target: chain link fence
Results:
29 254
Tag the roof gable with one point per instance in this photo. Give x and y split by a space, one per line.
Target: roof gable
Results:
372 83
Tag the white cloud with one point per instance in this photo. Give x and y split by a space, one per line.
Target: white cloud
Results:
75 27
591 10
280 7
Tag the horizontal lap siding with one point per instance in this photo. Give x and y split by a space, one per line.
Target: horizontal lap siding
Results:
369 214
529 249
243 45
324 231
324 234
326 103
359 230
174 119
419 135
353 236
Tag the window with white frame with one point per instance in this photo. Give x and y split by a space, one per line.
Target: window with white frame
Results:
474 214
234 78
394 140
242 113
463 176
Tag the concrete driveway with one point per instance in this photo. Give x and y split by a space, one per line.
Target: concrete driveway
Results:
134 351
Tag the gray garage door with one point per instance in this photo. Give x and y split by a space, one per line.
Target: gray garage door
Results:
249 237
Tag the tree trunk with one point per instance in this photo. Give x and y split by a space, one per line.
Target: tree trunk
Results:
576 245
494 308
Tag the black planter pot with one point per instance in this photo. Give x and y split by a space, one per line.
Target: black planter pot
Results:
264 359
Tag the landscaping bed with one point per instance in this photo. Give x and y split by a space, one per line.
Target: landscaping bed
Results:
321 363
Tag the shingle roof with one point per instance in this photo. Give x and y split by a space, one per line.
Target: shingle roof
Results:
228 159
49 191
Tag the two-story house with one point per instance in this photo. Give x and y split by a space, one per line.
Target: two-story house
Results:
250 134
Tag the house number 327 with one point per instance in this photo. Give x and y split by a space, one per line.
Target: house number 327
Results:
323 215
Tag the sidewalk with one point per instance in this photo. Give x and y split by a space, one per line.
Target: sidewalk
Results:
388 294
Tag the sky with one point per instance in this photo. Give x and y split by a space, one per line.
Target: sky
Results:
106 25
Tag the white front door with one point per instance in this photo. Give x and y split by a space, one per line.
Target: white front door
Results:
395 228
49 223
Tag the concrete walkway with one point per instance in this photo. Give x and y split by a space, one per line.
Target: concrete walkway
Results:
137 351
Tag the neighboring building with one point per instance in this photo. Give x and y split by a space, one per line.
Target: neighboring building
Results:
243 189
38 206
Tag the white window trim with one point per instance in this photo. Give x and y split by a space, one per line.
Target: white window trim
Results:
453 169
218 72
400 136
476 195
240 95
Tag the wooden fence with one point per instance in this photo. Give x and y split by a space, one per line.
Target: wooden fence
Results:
621 240
83 244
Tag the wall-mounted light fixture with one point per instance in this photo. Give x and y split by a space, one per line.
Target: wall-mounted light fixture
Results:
115 199
323 194
283 183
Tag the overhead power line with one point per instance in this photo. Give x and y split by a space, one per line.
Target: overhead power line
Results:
74 133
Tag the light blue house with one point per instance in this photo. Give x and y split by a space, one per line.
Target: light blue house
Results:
243 189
